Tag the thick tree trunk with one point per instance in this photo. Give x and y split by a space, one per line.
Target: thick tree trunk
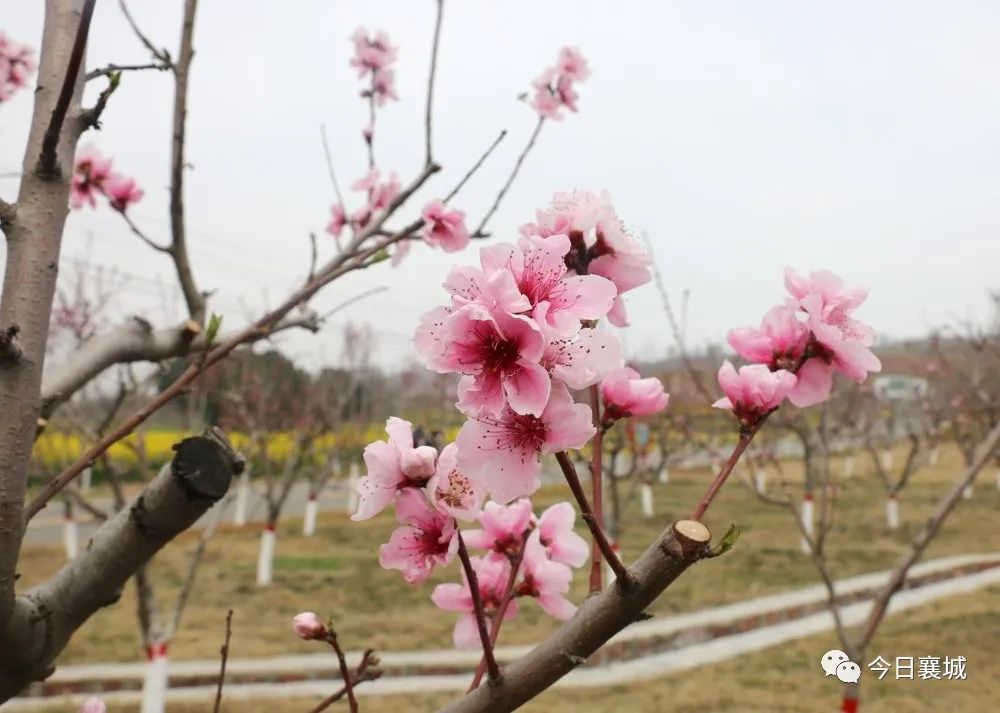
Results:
34 235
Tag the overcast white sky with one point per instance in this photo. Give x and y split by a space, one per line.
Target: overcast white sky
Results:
860 137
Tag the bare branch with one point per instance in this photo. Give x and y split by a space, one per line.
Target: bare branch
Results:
480 612
676 329
224 654
329 164
430 80
115 68
624 578
182 68
143 237
475 166
159 53
47 161
510 179
135 341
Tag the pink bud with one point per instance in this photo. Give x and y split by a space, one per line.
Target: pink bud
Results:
308 626
625 394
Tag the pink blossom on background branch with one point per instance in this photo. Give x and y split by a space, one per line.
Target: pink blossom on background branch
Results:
17 63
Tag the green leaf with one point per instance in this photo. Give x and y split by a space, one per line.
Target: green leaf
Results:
214 322
728 541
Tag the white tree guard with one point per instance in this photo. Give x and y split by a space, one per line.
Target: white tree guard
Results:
848 466
807 515
760 480
664 475
967 491
155 683
352 489
86 479
309 520
892 512
71 537
265 562
242 499
646 493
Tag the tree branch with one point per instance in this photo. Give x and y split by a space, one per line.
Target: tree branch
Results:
137 341
598 619
46 616
194 299
478 610
510 179
224 655
115 68
924 537
624 578
47 161
430 81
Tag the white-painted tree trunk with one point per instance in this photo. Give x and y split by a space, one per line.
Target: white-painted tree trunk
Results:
309 520
71 536
352 489
967 491
265 562
848 466
887 459
242 499
646 493
86 480
155 683
664 476
760 480
935 455
892 512
807 515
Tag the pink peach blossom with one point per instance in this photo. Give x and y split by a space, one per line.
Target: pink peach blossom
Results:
556 535
384 193
338 221
451 490
625 394
16 65
492 574
445 229
583 359
779 342
545 580
371 53
504 450
753 392
498 350
504 527
559 302
383 87
367 182
827 286
425 540
122 191
392 465
572 64
90 171
308 626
